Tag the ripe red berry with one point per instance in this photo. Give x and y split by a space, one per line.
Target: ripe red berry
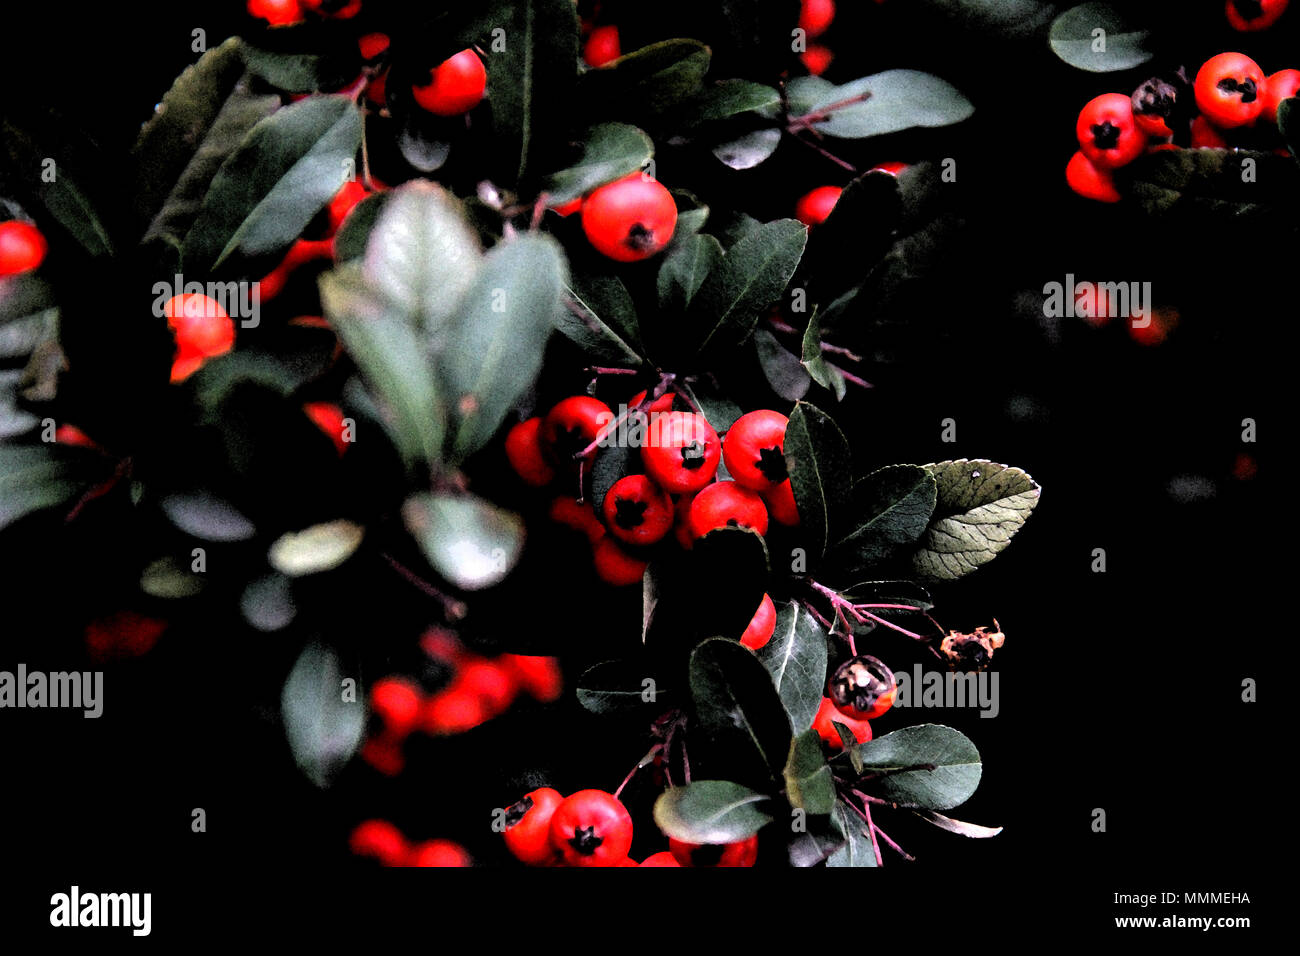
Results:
682 522
741 853
682 452
1108 134
329 418
827 713
816 58
780 504
591 828
72 435
1228 90
524 452
572 425
334 9
384 754
664 403
815 16
202 329
662 858
725 504
602 46
1251 15
371 45
578 515
439 853
762 627
568 208
277 13
813 208
351 193
615 566
1205 135
862 688
22 247
379 840
453 710
630 219
637 511
754 450
1282 85
456 86
528 826
396 701
539 676
1089 181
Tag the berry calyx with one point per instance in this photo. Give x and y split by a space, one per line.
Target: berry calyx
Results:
456 85
762 626
591 828
396 702
572 425
741 853
828 716
637 511
1107 132
754 450
22 247
815 206
1089 181
524 452
862 688
602 47
202 330
630 219
725 504
682 453
1228 90
528 826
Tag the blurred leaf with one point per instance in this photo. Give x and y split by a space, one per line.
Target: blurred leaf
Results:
322 547
1120 47
267 603
470 542
891 509
805 92
796 658
36 477
648 81
896 100
324 731
266 192
23 296
783 369
1003 18
170 579
819 461
300 72
495 339
354 235
952 782
207 517
420 143
684 269
609 152
13 420
749 149
61 196
724 100
808 781
857 850
981 505
711 811
959 827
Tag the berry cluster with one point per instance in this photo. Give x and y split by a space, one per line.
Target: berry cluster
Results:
1231 95
384 843
472 690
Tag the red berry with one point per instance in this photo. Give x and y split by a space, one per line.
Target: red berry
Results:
754 450
277 13
815 206
493 685
591 828
781 506
456 86
816 58
1282 85
1205 135
826 713
602 46
725 504
344 200
572 425
1108 134
384 754
893 167
1251 15
396 701
862 688
682 522
72 435
372 45
664 403
630 219
580 516
377 89
453 711
123 634
615 566
22 247
662 858
568 208
815 16
439 853
202 329
524 452
762 627
1228 90
637 511
379 840
528 826
329 419
539 676
682 452
1089 181
741 853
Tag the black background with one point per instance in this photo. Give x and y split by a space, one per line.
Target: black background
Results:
1119 690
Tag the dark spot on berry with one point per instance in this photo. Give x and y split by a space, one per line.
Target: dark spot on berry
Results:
570 441
708 855
585 840
516 811
629 513
639 238
693 456
771 462
1105 135
1249 9
1246 88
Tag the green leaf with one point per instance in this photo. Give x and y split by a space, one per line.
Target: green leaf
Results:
1194 185
816 844
955 759
609 152
1288 121
207 517
750 277
391 356
169 579
1005 18
1118 47
711 811
749 149
494 342
300 72
891 510
858 849
470 542
981 505
724 100
896 100
784 371
617 687
353 237
601 319
322 547
803 93
214 382
24 296
422 255
741 717
684 270
24 336
612 462
718 410
324 731
62 198
267 603
808 781
36 477
288 167
13 420
819 461
858 232
822 373
960 827
650 80
796 658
